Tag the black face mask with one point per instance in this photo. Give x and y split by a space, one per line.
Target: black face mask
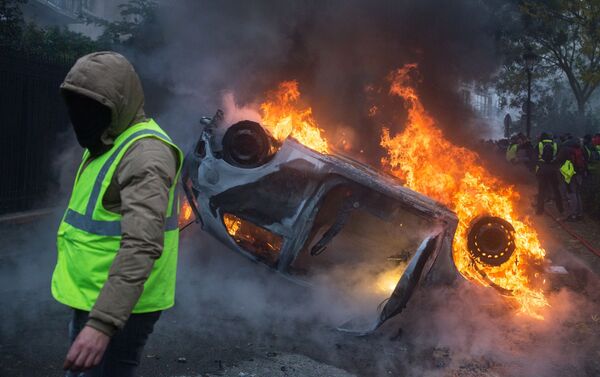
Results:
90 119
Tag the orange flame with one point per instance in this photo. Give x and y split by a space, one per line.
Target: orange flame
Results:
283 117
430 164
254 239
386 282
185 213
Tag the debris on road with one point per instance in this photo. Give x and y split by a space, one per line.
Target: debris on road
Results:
279 365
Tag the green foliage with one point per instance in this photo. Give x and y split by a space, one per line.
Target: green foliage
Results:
138 27
31 38
11 21
565 35
55 41
511 84
554 112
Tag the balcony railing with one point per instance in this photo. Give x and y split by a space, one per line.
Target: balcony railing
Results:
68 8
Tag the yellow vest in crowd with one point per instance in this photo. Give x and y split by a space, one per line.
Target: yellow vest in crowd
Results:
567 170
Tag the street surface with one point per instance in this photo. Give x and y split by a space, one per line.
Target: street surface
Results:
235 318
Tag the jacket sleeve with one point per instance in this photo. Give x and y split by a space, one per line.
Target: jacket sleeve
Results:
144 177
563 154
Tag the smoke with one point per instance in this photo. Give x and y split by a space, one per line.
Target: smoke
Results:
235 113
459 330
346 282
335 49
469 331
229 54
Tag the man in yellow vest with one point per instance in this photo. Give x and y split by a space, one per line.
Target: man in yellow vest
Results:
547 173
511 151
570 182
547 148
118 240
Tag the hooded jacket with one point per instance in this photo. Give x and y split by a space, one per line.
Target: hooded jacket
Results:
139 189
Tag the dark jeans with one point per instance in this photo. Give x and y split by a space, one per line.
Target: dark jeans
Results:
572 192
124 351
548 183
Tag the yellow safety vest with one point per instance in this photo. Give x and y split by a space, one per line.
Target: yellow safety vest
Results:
541 148
567 170
89 236
511 153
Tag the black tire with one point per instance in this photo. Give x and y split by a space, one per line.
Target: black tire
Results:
247 145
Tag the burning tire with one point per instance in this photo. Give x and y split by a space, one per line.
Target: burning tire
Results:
491 240
247 145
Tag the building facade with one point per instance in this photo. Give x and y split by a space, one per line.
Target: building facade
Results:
485 103
72 13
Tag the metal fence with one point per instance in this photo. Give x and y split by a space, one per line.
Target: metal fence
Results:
31 117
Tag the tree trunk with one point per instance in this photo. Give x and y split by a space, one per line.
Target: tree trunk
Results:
580 107
580 126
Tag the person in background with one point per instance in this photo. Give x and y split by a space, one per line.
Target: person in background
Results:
596 142
526 153
511 151
592 154
547 175
590 187
571 162
548 146
579 159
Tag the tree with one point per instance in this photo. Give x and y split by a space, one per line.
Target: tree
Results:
565 35
11 21
52 41
138 27
57 42
555 111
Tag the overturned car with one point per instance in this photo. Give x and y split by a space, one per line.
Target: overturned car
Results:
307 215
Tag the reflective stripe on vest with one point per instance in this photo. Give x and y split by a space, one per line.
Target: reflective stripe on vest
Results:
112 228
541 148
89 236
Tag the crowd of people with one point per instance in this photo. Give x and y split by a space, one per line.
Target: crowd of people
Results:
567 169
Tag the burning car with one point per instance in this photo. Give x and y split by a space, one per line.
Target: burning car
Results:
306 214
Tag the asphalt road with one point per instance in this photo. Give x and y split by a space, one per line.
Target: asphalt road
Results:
234 318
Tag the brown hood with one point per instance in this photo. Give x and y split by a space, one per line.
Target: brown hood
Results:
110 79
